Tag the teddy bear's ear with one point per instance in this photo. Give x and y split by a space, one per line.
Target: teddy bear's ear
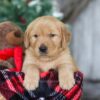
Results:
14 38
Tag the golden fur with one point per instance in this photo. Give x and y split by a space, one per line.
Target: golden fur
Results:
51 32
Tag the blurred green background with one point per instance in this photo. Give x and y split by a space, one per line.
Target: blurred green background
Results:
22 12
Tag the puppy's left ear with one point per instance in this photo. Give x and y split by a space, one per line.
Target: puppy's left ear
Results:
66 36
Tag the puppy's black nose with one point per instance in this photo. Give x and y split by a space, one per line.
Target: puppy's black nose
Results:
43 48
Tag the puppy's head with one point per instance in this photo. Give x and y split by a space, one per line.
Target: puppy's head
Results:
47 37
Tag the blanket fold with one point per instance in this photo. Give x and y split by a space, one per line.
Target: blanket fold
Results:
11 87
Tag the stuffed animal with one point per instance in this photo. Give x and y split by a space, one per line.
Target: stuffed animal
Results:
10 36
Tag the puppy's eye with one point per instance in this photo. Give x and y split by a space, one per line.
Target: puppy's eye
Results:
52 35
35 35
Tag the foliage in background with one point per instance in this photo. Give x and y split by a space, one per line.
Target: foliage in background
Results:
22 12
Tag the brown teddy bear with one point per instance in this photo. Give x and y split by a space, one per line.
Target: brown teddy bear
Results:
10 36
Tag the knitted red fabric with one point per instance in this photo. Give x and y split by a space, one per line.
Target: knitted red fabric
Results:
13 52
6 53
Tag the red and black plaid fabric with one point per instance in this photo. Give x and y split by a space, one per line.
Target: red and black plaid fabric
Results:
11 87
11 82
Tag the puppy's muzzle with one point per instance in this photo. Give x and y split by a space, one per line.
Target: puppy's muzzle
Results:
43 49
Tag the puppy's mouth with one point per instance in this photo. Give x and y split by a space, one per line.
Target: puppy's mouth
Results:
43 54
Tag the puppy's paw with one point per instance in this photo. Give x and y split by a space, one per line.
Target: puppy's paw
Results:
31 84
2 97
67 82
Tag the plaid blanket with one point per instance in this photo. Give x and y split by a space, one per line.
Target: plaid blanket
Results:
12 89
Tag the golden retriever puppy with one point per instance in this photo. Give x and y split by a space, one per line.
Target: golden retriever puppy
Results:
46 41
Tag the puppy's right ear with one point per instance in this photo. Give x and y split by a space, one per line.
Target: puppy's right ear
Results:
27 35
26 39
